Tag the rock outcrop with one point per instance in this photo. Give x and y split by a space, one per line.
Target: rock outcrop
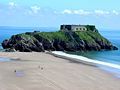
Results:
59 41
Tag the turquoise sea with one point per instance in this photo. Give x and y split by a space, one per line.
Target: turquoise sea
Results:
106 56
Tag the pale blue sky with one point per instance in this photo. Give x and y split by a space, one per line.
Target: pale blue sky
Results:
32 13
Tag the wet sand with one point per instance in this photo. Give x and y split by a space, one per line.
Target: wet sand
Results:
41 71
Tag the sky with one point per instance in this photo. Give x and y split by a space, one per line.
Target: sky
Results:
52 13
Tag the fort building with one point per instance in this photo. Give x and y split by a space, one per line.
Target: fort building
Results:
77 28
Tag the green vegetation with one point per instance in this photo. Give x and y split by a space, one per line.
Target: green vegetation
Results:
52 35
26 36
88 36
91 37
96 36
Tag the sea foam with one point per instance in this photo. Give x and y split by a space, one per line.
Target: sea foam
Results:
84 59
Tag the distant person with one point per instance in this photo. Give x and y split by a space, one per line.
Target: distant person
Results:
14 70
41 68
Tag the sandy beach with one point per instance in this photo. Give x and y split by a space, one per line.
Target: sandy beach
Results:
41 71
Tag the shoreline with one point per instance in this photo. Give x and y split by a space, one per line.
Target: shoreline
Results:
83 59
113 69
57 73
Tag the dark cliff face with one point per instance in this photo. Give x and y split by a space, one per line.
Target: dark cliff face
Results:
59 41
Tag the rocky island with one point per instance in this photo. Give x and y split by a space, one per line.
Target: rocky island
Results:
69 38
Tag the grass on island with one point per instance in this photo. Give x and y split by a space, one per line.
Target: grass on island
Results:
88 36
